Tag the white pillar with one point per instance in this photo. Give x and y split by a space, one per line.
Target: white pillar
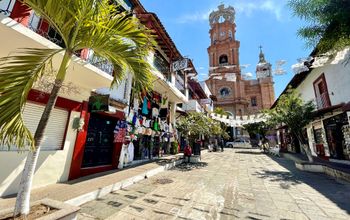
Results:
172 113
324 137
311 139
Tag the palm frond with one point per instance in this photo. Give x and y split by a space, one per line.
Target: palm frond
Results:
120 38
17 75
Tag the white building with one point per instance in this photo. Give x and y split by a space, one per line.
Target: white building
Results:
68 150
326 83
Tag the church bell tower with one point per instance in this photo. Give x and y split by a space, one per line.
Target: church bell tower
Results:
224 49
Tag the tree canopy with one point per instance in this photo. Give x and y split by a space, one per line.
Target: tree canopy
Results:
328 23
195 124
292 111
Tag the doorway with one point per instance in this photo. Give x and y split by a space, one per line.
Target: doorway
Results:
334 135
99 141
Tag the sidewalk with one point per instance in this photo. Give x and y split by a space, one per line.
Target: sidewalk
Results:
334 169
79 191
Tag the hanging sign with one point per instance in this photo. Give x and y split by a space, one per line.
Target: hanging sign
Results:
98 103
205 101
179 65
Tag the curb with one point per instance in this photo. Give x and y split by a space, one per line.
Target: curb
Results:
317 168
77 201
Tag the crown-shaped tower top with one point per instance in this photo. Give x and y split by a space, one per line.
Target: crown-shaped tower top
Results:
222 15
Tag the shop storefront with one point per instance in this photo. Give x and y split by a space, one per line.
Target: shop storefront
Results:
335 129
95 148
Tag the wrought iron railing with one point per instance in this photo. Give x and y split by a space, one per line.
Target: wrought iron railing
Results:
35 24
101 63
322 101
6 6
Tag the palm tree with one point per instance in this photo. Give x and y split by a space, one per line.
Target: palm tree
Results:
97 25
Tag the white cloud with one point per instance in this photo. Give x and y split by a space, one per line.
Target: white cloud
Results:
193 17
245 7
201 68
253 6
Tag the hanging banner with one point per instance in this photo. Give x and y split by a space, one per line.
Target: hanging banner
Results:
179 65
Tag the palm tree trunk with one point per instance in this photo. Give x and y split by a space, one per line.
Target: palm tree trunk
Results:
22 206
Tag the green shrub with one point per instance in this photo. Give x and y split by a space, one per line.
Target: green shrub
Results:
174 147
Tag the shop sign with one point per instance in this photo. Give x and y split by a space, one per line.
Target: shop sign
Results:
98 103
205 101
179 65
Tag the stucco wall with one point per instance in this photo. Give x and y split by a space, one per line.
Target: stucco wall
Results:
52 167
337 78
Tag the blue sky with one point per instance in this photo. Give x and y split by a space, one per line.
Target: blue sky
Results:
269 23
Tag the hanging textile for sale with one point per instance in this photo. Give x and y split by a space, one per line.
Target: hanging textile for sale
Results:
145 106
136 104
120 131
124 156
131 152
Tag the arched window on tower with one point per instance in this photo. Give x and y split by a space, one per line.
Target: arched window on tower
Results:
230 35
223 59
214 38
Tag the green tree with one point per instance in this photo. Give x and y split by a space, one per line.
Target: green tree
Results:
97 25
195 124
260 128
220 111
328 23
292 111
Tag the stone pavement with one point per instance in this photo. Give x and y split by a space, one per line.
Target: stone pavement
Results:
87 188
234 184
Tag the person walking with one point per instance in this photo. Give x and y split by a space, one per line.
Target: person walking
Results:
188 152
222 145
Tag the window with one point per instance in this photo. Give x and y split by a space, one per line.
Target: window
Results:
230 34
321 92
223 59
224 92
253 101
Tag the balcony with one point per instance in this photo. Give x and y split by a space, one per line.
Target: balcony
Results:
101 63
322 101
41 27
162 66
192 105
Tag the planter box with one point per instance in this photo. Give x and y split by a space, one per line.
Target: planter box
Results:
64 211
316 168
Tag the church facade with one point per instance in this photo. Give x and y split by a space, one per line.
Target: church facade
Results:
235 94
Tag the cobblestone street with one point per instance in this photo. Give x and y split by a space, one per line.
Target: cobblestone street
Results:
234 184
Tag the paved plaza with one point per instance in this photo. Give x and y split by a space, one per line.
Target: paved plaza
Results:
234 184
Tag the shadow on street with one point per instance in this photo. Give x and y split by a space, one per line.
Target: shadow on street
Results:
332 189
185 167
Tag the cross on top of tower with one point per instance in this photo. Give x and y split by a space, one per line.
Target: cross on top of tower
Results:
261 56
